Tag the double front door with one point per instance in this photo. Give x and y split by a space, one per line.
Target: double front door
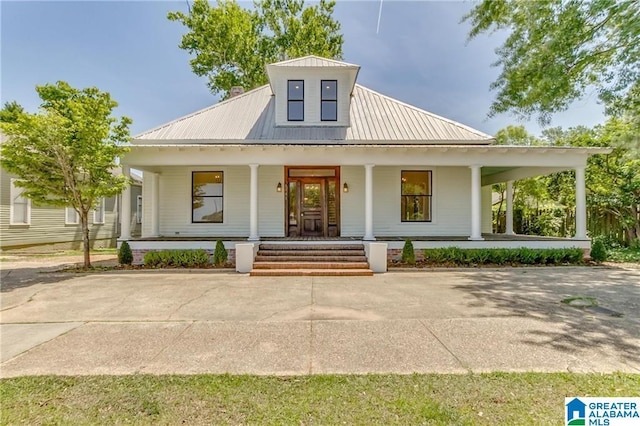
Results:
312 202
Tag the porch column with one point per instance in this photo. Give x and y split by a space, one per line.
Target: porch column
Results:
509 225
125 207
253 204
155 205
581 205
476 204
368 202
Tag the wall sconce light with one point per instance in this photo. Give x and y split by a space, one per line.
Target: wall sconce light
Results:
345 187
279 187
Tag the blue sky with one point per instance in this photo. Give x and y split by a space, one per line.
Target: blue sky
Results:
419 56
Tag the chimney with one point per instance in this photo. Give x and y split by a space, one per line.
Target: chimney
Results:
235 91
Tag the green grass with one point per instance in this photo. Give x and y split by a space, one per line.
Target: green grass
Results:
497 398
624 255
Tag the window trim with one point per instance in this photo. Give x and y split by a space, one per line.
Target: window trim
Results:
66 216
323 100
290 101
139 209
12 194
101 205
429 196
207 196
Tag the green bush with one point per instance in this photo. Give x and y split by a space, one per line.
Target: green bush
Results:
177 258
598 251
125 256
408 254
522 256
220 254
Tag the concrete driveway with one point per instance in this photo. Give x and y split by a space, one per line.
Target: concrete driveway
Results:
449 321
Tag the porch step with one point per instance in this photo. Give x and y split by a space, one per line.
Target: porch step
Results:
311 272
311 260
311 265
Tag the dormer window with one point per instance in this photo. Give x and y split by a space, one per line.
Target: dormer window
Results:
295 100
329 100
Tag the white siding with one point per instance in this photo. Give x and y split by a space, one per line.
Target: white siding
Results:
352 203
451 203
270 201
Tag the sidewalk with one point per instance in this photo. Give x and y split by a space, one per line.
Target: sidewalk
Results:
187 322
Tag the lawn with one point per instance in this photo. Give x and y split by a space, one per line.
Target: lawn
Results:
496 398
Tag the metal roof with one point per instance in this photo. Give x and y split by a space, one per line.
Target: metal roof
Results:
374 119
313 61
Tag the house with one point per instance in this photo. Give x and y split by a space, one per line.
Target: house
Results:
315 156
23 224
576 410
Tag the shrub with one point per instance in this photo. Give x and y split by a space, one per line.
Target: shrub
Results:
501 256
176 258
598 251
125 256
408 254
220 254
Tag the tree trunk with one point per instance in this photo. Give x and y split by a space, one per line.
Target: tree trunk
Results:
84 220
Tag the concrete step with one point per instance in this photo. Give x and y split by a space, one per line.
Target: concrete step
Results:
268 246
310 265
311 253
311 273
309 258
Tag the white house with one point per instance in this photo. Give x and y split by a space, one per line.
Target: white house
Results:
315 156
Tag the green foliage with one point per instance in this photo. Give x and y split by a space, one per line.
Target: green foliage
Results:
557 51
220 254
624 254
408 253
232 45
598 251
177 258
522 256
65 154
125 256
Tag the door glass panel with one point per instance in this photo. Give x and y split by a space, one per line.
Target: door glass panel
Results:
331 201
311 195
293 203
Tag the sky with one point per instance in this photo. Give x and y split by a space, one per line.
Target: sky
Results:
419 55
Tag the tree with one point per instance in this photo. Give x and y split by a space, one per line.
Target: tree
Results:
233 45
65 154
558 50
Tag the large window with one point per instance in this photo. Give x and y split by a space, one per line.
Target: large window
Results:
295 100
71 216
207 197
416 195
329 100
20 213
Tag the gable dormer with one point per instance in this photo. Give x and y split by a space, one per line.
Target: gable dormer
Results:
312 91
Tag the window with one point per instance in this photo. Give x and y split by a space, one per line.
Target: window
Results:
20 213
139 209
71 216
207 198
295 100
98 213
416 196
329 100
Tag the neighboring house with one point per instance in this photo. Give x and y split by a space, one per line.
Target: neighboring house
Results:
314 155
23 224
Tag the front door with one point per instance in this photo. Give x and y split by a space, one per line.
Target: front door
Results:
312 208
312 202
